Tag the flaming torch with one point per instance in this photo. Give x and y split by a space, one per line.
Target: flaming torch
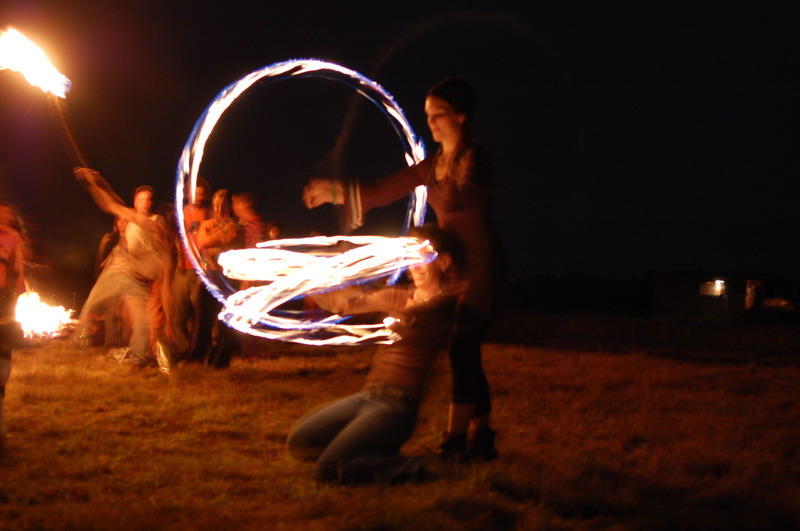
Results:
20 54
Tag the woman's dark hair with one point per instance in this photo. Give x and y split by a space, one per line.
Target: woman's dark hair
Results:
441 240
458 93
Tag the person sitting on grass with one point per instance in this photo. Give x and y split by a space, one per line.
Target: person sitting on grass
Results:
357 439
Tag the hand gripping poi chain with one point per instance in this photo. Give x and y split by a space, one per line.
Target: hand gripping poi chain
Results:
302 266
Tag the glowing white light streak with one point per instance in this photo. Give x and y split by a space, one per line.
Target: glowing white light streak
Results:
20 54
38 319
250 264
318 267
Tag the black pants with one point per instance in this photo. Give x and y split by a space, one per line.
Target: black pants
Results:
202 349
469 381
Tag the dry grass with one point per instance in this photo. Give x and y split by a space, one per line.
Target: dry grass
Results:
589 440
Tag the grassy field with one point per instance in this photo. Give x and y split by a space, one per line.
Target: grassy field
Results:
588 440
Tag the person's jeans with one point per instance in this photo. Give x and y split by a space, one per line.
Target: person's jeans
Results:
115 284
357 439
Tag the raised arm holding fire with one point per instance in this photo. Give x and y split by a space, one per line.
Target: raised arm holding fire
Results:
141 265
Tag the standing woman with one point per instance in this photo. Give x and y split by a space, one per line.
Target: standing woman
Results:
459 181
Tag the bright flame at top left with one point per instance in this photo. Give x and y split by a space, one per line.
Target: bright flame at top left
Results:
20 54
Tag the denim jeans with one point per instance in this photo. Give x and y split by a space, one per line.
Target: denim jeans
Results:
357 439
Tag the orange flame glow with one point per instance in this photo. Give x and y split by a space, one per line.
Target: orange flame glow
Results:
20 54
37 319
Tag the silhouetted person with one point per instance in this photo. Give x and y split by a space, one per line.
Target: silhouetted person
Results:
115 329
13 252
253 231
186 284
253 226
214 236
274 230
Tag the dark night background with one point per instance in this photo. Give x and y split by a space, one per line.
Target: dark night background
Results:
626 138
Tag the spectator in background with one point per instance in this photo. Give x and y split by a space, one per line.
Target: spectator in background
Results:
186 285
107 244
14 250
115 327
274 230
213 342
253 231
253 227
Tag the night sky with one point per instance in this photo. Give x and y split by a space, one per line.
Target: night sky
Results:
625 139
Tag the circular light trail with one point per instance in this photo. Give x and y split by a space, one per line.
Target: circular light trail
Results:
192 156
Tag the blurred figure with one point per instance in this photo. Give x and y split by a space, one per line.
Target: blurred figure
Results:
162 339
274 230
253 226
13 253
107 244
213 342
253 231
116 329
137 264
219 233
186 285
357 439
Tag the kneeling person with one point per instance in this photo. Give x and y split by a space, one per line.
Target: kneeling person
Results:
357 439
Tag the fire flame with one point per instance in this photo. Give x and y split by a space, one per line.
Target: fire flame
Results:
38 319
20 54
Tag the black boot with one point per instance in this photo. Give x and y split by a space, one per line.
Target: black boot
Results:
453 448
480 446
